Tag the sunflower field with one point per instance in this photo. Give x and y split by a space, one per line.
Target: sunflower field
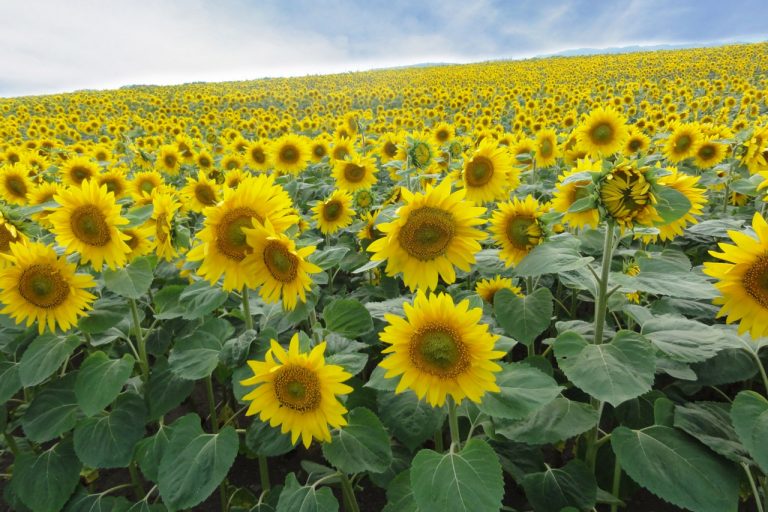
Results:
523 285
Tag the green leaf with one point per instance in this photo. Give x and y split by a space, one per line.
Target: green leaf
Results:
138 215
195 356
347 317
558 254
52 412
524 390
84 502
44 356
165 390
346 353
234 352
362 445
150 450
710 423
686 340
168 303
469 480
678 283
201 299
45 482
749 414
559 420
10 383
573 485
305 498
195 463
100 380
106 313
328 258
107 440
612 372
399 494
131 282
677 469
523 318
265 440
671 204
411 421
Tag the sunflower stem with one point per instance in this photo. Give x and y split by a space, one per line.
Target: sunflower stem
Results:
453 423
349 493
138 488
616 484
11 442
761 367
247 318
142 343
264 473
752 485
439 440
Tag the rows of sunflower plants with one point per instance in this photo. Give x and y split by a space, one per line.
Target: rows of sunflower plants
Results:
537 285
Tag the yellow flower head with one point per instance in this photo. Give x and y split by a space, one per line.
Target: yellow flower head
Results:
487 288
354 173
569 189
485 173
627 196
516 227
334 213
603 132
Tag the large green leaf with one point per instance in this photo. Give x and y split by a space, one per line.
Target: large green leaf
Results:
399 494
671 204
265 440
710 423
100 380
559 420
523 390
611 372
132 281
347 317
196 355
44 356
305 498
552 490
165 389
411 421
749 414
559 254
686 340
150 450
10 382
466 481
362 445
52 412
195 463
106 313
45 482
201 299
523 318
677 469
84 502
107 440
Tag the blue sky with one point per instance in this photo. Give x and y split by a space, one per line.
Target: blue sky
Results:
54 46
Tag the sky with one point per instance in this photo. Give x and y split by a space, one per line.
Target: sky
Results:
50 46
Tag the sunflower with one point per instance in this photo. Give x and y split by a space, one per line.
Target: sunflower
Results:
682 143
363 199
223 245
233 178
755 156
289 154
114 180
369 230
485 174
627 196
14 184
420 151
430 235
9 234
546 148
355 173
522 152
298 391
40 194
334 213
279 268
342 148
440 349
143 183
516 227
487 288
200 193
603 132
686 185
389 148
443 133
204 160
87 222
709 153
319 149
164 207
570 189
743 279
138 240
636 142
231 162
168 160
39 286
77 169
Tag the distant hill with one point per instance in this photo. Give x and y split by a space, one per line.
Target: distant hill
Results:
629 49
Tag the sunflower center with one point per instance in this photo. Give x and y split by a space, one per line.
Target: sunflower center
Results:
16 186
340 152
706 152
354 173
297 388
518 231
204 161
427 233
602 133
204 194
442 135
289 154
683 143
319 151
43 286
147 186
437 350
546 148
133 240
169 161
332 210
280 262
390 149
79 173
479 171
635 145
230 238
755 281
112 186
90 226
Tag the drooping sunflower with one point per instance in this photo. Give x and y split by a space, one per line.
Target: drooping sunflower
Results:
223 245
77 169
440 349
743 279
355 173
546 147
281 270
603 132
627 197
87 221
334 213
487 288
200 193
289 154
517 228
298 391
14 184
569 189
432 233
38 286
164 207
485 173
683 142
369 231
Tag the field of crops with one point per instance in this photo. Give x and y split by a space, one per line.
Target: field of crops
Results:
529 285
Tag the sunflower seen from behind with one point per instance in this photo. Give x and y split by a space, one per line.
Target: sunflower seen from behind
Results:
516 227
432 232
440 349
37 286
298 391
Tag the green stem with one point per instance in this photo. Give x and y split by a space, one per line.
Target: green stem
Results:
138 489
439 440
212 404
349 493
453 423
761 367
143 361
601 302
751 479
11 442
616 484
264 473
247 309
